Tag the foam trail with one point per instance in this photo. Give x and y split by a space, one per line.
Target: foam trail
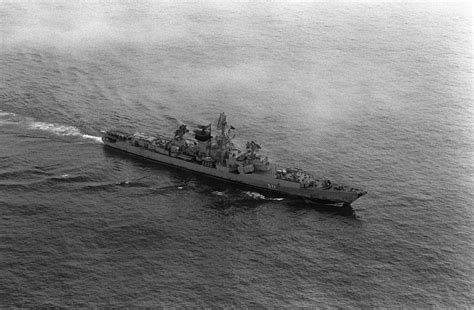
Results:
259 196
63 130
7 118
218 193
255 195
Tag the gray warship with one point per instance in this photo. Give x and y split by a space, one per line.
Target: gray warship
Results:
218 157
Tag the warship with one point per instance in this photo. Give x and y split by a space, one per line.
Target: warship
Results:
218 157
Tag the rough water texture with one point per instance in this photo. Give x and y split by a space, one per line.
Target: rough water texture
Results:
374 96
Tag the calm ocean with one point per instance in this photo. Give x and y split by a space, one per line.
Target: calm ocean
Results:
376 96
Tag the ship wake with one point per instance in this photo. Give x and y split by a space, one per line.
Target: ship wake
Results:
63 130
8 118
246 195
258 196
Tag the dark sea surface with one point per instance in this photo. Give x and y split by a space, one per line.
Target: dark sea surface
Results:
377 96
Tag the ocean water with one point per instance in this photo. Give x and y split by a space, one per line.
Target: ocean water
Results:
377 96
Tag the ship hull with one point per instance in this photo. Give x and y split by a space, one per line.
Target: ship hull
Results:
264 180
